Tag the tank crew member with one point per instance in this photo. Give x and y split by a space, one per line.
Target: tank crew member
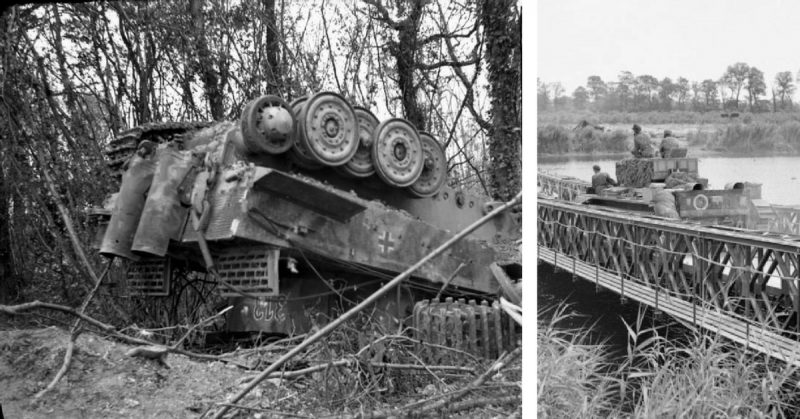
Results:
668 144
601 180
641 143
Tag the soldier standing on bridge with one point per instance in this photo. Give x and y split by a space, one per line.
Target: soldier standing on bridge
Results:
601 180
641 143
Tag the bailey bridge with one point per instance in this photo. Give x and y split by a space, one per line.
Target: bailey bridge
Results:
741 284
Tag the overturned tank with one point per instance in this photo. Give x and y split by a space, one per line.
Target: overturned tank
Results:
300 207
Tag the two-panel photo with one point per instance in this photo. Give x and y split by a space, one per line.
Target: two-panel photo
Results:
668 209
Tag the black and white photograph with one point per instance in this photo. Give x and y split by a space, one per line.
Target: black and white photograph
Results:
263 209
668 209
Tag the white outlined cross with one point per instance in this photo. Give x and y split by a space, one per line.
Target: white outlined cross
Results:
386 243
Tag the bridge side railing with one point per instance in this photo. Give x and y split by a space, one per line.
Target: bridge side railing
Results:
786 218
750 277
786 221
561 187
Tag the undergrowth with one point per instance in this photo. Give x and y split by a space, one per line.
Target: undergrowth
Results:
698 375
762 134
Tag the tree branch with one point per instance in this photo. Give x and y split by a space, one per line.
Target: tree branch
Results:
448 63
383 14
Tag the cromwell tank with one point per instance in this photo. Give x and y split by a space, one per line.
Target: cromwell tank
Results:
297 209
672 187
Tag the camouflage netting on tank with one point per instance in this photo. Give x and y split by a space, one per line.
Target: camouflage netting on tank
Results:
635 173
679 179
664 204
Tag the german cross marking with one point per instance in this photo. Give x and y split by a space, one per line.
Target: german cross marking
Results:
386 244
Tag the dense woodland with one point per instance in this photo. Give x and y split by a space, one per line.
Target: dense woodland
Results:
740 88
73 74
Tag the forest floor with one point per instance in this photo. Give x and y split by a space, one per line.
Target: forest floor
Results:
103 381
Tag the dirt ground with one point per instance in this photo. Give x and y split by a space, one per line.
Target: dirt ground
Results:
103 382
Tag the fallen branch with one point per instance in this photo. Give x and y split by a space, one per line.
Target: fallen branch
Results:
202 323
366 303
350 362
418 409
73 335
34 305
470 404
160 352
497 366
420 342
514 311
109 329
64 366
271 412
73 235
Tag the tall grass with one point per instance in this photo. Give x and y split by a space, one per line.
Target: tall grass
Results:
755 137
698 376
569 118
572 373
553 139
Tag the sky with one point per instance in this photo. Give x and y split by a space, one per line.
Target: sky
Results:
695 39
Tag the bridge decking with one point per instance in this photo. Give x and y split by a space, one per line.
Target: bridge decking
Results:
742 284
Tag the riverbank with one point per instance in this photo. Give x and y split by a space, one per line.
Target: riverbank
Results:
692 152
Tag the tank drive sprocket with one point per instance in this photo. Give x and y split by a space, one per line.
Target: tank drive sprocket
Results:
268 125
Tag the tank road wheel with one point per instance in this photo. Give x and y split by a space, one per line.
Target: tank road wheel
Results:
299 154
330 129
397 152
360 166
268 125
434 168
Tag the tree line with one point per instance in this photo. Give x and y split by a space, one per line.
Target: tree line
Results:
73 74
741 87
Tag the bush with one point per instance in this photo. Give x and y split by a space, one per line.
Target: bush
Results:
552 139
759 132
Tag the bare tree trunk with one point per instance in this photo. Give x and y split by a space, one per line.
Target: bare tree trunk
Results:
502 27
405 54
273 70
208 74
8 277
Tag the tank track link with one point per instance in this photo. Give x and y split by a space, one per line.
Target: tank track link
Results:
480 329
125 142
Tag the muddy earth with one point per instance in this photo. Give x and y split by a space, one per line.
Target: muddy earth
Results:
103 381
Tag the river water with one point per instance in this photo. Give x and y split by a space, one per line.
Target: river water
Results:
779 176
780 179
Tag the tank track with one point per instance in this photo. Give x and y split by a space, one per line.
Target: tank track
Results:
125 142
480 329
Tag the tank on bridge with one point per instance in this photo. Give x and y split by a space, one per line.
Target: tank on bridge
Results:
672 187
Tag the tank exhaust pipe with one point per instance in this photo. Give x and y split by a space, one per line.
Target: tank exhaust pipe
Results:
163 213
127 210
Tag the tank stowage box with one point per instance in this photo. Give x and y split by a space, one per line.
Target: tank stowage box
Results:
639 173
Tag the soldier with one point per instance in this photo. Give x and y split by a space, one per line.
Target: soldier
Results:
641 144
601 180
668 144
